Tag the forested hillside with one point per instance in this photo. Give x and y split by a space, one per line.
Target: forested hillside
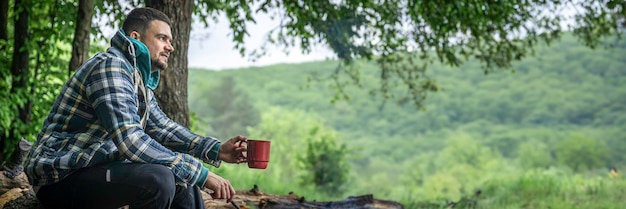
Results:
563 108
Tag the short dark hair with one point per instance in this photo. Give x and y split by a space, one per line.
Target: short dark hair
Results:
138 19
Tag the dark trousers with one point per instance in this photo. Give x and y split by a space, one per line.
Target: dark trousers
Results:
117 184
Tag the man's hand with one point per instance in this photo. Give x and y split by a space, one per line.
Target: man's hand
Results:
231 151
222 189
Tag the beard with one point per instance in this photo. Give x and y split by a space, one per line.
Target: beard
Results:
158 65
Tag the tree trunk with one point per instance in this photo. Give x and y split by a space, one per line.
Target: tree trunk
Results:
4 10
80 45
172 91
19 73
19 66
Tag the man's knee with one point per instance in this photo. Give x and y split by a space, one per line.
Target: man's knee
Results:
158 179
156 184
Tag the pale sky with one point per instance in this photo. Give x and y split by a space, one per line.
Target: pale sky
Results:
212 48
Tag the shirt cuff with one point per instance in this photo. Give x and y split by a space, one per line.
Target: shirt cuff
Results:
214 152
204 172
212 156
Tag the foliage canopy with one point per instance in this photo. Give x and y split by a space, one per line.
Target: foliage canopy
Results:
406 37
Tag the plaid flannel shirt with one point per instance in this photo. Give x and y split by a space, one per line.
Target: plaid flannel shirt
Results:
97 118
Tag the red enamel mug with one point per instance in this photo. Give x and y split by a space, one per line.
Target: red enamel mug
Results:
258 154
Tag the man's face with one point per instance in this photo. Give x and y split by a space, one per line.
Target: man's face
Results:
158 39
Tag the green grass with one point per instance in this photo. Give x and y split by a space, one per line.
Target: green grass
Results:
540 189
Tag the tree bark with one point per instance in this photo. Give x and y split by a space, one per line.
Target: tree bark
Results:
80 45
4 10
172 91
13 167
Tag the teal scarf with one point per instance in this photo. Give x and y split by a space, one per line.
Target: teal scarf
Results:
143 62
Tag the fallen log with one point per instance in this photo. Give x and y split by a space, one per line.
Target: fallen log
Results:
255 198
15 191
18 198
12 171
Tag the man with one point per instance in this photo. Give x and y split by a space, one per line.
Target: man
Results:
106 143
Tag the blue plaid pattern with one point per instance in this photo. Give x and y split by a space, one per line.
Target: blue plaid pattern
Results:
97 118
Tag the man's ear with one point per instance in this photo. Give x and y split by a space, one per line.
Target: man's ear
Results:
134 34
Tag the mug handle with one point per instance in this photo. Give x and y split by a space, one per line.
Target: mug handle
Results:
240 145
241 142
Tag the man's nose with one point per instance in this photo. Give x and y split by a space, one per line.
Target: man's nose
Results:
169 47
